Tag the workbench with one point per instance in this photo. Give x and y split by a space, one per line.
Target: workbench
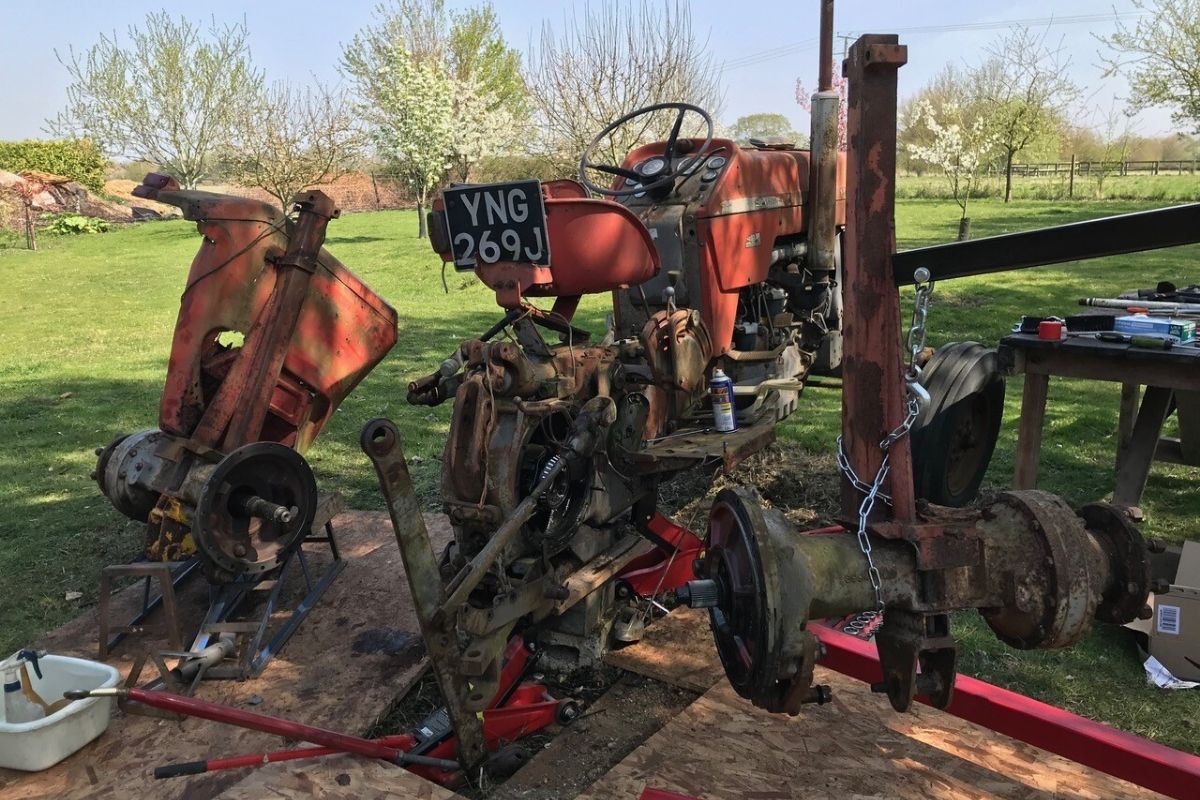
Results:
1172 381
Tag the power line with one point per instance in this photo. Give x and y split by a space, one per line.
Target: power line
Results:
775 52
783 51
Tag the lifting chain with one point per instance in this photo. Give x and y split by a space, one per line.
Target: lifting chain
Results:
916 398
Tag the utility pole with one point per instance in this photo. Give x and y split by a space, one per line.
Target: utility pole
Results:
846 40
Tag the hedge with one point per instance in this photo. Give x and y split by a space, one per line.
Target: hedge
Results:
77 159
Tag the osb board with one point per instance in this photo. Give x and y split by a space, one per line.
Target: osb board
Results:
627 714
335 778
359 649
677 649
722 748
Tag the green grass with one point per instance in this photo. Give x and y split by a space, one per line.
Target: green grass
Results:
85 330
1159 188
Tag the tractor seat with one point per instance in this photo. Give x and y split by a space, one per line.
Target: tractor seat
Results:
595 246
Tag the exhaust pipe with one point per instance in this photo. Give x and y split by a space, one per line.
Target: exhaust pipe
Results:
822 226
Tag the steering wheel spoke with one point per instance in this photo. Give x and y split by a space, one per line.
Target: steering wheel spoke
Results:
673 139
611 170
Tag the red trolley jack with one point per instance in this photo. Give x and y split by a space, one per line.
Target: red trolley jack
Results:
520 708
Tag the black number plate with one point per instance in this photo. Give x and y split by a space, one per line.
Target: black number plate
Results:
497 222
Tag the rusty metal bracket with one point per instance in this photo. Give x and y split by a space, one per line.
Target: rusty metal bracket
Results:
918 657
381 442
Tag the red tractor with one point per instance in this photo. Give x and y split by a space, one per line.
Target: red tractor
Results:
703 245
714 255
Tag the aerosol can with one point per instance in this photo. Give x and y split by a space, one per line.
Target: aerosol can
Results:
721 389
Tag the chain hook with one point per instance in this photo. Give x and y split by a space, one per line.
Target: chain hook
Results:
916 399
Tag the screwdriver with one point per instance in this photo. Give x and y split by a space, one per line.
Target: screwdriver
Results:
1148 342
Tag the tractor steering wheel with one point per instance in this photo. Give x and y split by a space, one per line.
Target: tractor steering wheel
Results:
669 174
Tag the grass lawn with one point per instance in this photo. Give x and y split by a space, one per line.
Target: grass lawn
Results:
87 322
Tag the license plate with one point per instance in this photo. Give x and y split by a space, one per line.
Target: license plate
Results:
497 222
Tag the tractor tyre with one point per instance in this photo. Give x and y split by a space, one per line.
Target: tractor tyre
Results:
955 435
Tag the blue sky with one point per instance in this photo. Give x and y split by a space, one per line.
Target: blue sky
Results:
760 41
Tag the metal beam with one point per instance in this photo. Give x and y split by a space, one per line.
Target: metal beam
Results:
1093 744
873 395
1095 238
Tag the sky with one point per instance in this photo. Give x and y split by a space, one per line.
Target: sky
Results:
765 46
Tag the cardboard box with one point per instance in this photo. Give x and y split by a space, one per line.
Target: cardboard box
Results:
1174 629
1182 329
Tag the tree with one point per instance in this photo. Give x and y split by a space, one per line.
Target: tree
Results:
1118 140
608 60
765 126
407 104
1160 55
170 97
293 137
958 147
1024 92
948 87
471 82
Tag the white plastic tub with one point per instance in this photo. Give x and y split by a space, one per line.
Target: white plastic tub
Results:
36 745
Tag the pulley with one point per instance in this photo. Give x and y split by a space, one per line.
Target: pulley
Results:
254 508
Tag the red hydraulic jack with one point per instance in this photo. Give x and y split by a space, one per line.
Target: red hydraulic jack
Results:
518 710
667 567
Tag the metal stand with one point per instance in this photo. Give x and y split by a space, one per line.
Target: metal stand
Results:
254 648
169 576
226 599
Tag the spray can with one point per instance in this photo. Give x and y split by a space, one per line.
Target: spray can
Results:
721 389
17 707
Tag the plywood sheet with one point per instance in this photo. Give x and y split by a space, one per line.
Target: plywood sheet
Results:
358 650
335 778
722 748
677 649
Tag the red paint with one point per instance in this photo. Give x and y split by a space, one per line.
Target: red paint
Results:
344 328
662 794
1093 744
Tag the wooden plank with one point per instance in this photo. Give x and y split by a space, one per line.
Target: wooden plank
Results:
1029 432
335 778
1135 467
1102 367
359 650
722 748
1130 393
1187 410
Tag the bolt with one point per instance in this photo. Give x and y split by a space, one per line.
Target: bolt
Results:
239 550
1160 586
1145 612
1131 587
99 450
1156 545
